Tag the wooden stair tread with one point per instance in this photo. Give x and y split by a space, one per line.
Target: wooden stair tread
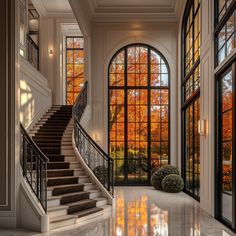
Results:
63 186
63 177
61 218
81 202
87 212
70 194
56 208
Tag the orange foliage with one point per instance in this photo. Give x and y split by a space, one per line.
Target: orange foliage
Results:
137 100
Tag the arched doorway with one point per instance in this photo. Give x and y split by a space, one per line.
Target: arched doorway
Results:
138 113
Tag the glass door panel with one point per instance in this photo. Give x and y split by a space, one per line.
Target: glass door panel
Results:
225 147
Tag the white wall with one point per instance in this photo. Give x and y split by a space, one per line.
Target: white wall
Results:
106 40
35 96
207 108
52 36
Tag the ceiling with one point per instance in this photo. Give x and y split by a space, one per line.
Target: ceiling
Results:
52 7
114 10
119 10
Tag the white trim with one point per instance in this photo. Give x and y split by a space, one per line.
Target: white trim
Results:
35 206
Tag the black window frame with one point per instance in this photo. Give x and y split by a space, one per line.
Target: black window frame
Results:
66 77
148 88
222 68
186 103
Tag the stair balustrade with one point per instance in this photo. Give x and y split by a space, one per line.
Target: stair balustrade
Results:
99 162
34 166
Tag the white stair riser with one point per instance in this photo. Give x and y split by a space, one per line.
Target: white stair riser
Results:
83 180
89 187
66 142
67 137
95 195
67 152
49 193
88 217
75 166
66 148
54 202
77 173
62 224
70 158
101 203
57 213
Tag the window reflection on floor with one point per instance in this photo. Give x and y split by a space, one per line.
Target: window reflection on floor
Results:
144 217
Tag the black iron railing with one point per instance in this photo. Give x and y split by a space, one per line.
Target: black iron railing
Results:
34 166
32 52
96 159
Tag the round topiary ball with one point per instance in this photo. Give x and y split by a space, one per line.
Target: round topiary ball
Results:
161 173
172 183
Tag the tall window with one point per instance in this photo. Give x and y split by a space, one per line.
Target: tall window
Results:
138 113
225 38
190 98
74 68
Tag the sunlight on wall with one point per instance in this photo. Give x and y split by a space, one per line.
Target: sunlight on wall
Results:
27 104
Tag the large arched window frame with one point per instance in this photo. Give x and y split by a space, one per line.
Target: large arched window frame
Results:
138 111
191 41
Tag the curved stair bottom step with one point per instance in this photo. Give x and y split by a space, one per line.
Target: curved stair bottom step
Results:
62 221
80 218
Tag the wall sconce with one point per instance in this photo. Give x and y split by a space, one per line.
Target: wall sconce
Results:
202 127
96 137
50 53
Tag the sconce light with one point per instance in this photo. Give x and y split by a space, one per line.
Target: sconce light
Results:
96 137
50 52
202 127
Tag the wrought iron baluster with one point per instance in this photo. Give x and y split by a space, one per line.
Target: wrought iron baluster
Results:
96 159
34 166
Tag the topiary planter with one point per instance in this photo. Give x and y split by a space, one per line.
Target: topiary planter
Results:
160 174
172 183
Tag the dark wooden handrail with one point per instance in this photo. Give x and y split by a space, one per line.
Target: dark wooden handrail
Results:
34 167
32 52
99 162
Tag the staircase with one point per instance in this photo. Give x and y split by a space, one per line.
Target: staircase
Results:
72 196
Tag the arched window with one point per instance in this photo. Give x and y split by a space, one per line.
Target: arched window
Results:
191 98
138 113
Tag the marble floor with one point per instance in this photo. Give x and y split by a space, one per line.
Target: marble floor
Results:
143 211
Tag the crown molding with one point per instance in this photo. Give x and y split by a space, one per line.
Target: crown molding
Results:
135 18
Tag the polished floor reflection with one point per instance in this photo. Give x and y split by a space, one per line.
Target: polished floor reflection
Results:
142 211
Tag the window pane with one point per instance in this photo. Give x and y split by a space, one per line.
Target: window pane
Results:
226 152
143 90
74 67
